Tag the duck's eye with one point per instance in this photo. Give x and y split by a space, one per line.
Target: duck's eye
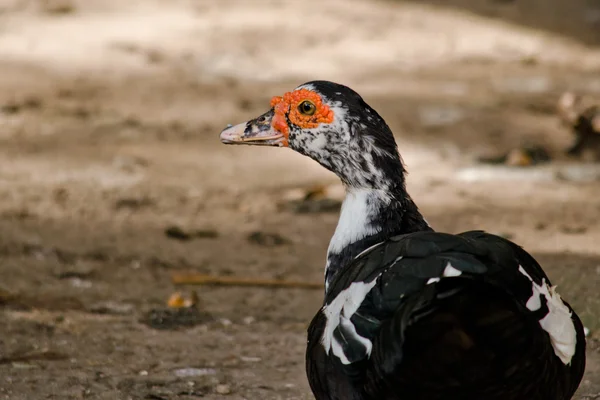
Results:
307 107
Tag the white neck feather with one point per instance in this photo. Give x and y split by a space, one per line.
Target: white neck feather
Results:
358 209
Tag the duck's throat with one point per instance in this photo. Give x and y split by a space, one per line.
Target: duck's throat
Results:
369 216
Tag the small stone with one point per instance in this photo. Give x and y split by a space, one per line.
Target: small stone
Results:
223 389
80 283
249 320
143 373
225 322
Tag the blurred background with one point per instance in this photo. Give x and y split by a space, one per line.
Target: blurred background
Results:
112 176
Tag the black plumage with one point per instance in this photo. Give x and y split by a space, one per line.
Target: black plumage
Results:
463 337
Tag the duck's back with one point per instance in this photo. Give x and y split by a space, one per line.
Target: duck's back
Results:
438 316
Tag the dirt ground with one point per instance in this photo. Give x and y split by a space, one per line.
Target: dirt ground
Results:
112 177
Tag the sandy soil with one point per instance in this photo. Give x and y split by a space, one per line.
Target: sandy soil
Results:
109 122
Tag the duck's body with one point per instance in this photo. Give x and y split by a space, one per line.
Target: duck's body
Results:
434 316
410 313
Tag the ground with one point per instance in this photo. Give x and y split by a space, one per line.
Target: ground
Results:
112 176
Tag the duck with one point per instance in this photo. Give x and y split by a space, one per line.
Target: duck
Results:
410 313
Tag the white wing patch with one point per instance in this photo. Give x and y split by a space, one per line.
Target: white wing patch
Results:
339 312
349 328
557 322
450 271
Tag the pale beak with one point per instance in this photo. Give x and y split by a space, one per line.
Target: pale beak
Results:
258 132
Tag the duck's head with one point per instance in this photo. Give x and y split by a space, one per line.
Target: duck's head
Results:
331 124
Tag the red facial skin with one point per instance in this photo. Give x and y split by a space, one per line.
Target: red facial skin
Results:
288 105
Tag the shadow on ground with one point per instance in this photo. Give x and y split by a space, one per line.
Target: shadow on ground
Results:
575 19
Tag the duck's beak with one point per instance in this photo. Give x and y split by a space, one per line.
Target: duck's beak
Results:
258 132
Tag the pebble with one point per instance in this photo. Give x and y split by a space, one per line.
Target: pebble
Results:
80 283
223 389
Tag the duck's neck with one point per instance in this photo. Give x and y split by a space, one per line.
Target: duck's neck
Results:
369 216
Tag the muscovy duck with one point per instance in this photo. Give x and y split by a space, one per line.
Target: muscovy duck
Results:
410 313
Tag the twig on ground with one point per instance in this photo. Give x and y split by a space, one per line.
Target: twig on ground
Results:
213 280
